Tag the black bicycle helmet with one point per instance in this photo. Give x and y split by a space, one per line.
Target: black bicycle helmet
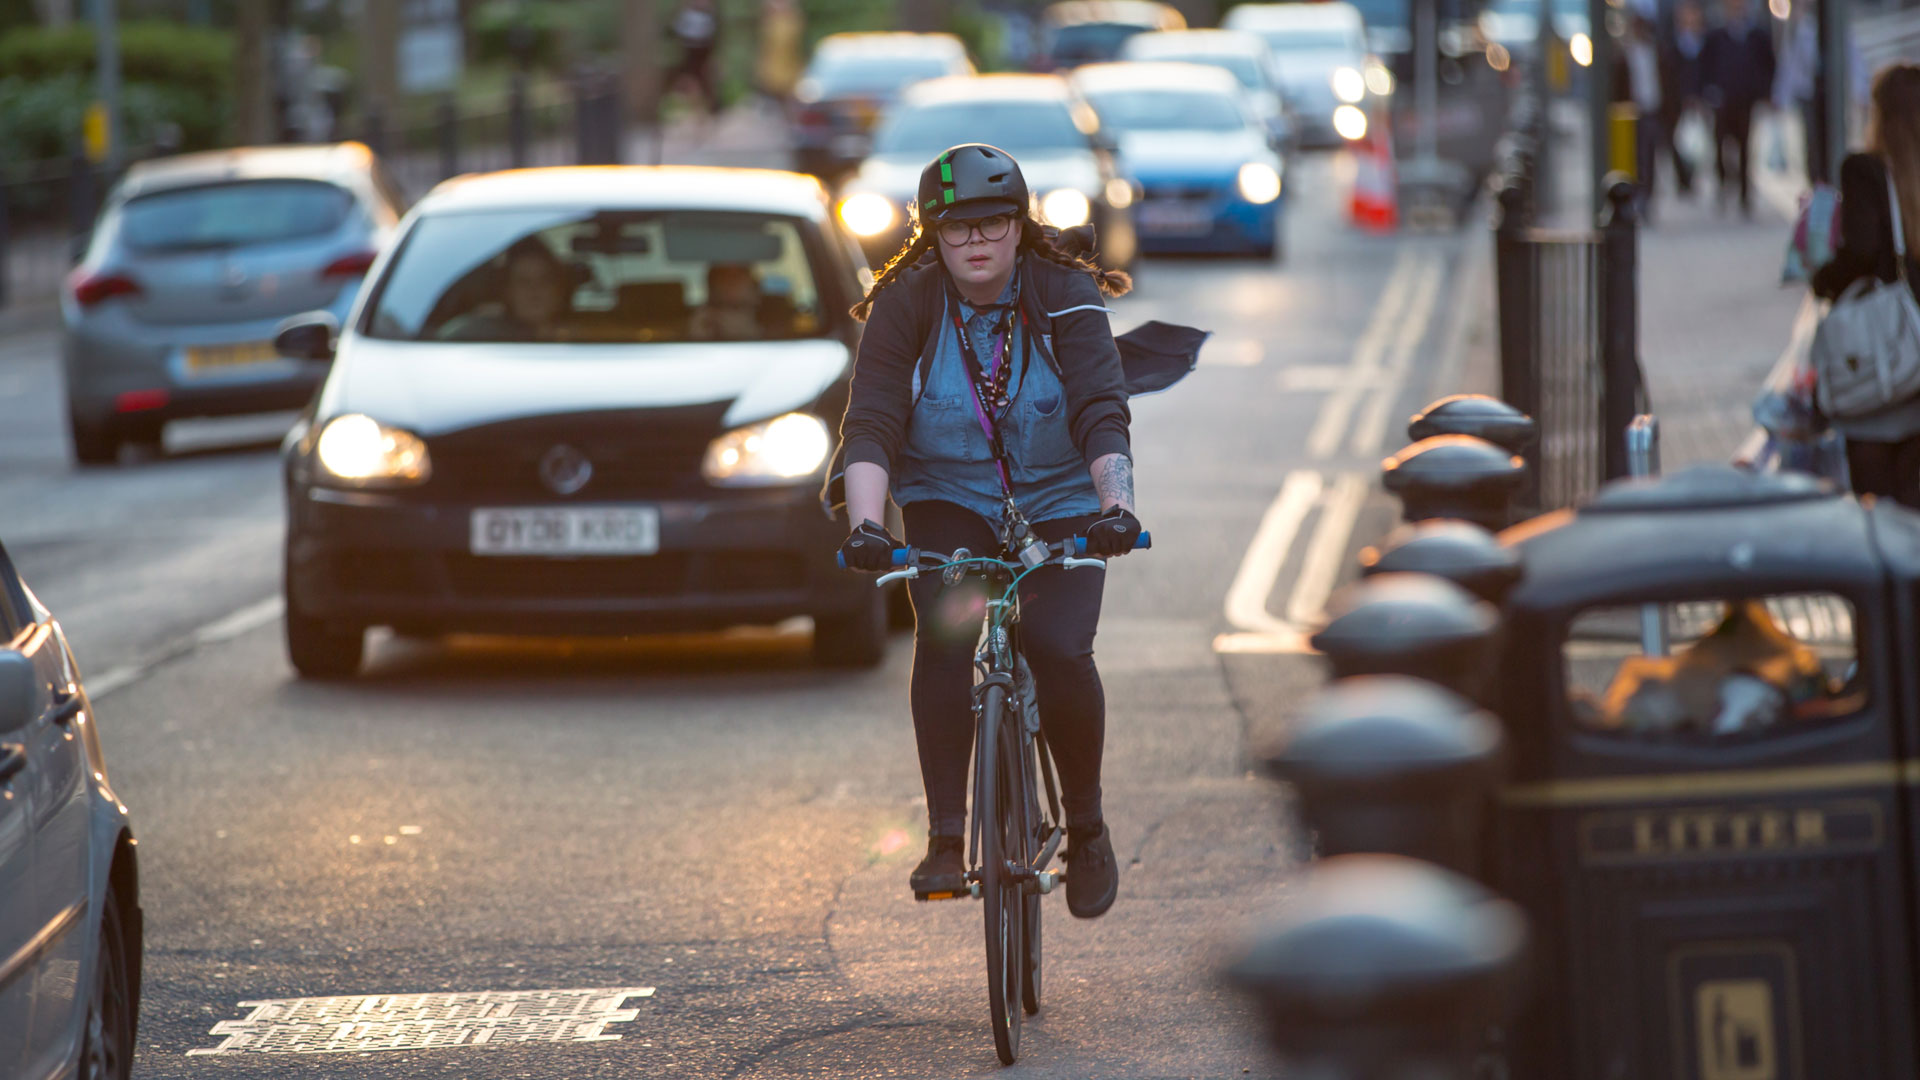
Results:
972 180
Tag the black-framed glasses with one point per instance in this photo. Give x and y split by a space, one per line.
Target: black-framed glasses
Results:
991 229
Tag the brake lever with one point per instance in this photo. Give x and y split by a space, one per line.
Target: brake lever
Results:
1071 562
898 575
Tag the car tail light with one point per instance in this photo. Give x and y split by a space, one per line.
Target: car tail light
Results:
140 401
813 118
91 288
352 265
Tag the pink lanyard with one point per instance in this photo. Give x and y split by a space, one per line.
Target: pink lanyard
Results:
980 410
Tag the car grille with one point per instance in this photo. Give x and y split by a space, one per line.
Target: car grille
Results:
1183 192
473 577
634 452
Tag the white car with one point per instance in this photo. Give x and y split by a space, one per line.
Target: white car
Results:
70 922
1330 78
1242 53
582 401
1515 26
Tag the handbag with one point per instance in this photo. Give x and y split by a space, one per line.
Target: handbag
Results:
1866 351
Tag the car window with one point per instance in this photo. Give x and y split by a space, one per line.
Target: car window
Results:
1310 39
1160 109
219 216
1383 14
569 276
840 76
15 613
1010 125
1244 68
1085 43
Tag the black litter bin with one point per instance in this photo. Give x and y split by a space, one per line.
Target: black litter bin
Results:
1709 686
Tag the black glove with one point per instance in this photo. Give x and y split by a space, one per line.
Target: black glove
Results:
869 547
1113 533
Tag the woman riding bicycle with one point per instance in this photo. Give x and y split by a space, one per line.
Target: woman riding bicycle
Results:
987 379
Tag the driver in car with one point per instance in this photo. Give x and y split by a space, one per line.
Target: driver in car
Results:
732 310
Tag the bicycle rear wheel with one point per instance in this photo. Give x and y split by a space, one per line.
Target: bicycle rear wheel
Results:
1001 810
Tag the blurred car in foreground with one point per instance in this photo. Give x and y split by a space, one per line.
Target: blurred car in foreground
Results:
70 920
851 81
1329 78
581 401
1078 32
194 262
1211 179
1067 159
1239 52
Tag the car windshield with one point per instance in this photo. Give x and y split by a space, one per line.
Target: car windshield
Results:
1383 14
1010 125
1085 43
1311 39
1245 68
1168 110
625 276
846 75
1532 7
220 216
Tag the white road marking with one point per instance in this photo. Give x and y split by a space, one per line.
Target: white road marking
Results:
1371 430
1260 567
1382 359
368 1022
225 628
1320 566
1337 412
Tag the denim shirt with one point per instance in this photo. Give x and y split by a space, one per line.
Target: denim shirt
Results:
947 456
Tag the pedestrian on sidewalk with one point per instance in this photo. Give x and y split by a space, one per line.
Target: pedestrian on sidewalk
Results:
1639 80
777 66
1681 87
1737 65
1883 448
696 29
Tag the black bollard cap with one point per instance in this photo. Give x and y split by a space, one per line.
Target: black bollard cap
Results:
1444 465
1390 615
1460 551
1390 737
1478 415
1390 945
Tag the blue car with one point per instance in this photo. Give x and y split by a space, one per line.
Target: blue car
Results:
1211 178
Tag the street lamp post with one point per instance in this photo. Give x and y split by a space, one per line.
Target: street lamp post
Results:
104 125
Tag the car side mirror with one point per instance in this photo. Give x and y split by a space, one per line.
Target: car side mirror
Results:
19 690
308 336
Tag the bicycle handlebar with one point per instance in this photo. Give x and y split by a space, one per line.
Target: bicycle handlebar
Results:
1073 547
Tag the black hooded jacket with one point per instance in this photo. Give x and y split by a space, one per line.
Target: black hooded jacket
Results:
1066 320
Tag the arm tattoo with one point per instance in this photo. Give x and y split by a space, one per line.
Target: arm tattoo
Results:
1115 481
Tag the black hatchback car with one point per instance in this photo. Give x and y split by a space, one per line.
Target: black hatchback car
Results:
592 401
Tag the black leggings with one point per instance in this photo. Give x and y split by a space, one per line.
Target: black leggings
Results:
1059 612
1888 469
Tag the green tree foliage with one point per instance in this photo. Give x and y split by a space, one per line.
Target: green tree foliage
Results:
171 75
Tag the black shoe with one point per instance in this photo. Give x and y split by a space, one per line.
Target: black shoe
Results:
944 870
1093 878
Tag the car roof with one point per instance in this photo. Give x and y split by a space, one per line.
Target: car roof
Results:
632 187
989 88
1153 75
1130 12
1332 13
877 44
333 161
1196 42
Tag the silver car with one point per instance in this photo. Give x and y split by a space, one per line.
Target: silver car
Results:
70 923
193 263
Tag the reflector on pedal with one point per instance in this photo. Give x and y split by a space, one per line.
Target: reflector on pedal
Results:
940 895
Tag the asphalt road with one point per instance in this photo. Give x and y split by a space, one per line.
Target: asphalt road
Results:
709 819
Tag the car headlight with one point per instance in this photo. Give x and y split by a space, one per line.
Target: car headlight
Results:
357 449
1350 123
1580 46
770 452
1119 193
1259 183
1349 85
1379 79
1065 208
867 214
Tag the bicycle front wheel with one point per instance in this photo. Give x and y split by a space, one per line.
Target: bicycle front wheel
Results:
1001 813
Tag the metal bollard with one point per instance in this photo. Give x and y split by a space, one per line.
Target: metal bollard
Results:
1385 968
1477 415
1455 476
517 117
1395 765
447 121
1412 624
1460 551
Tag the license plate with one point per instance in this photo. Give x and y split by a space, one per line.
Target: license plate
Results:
569 530
1175 216
201 358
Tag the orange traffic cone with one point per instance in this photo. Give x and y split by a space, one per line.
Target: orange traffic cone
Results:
1376 200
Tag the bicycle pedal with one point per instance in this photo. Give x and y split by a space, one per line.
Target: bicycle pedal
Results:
923 897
